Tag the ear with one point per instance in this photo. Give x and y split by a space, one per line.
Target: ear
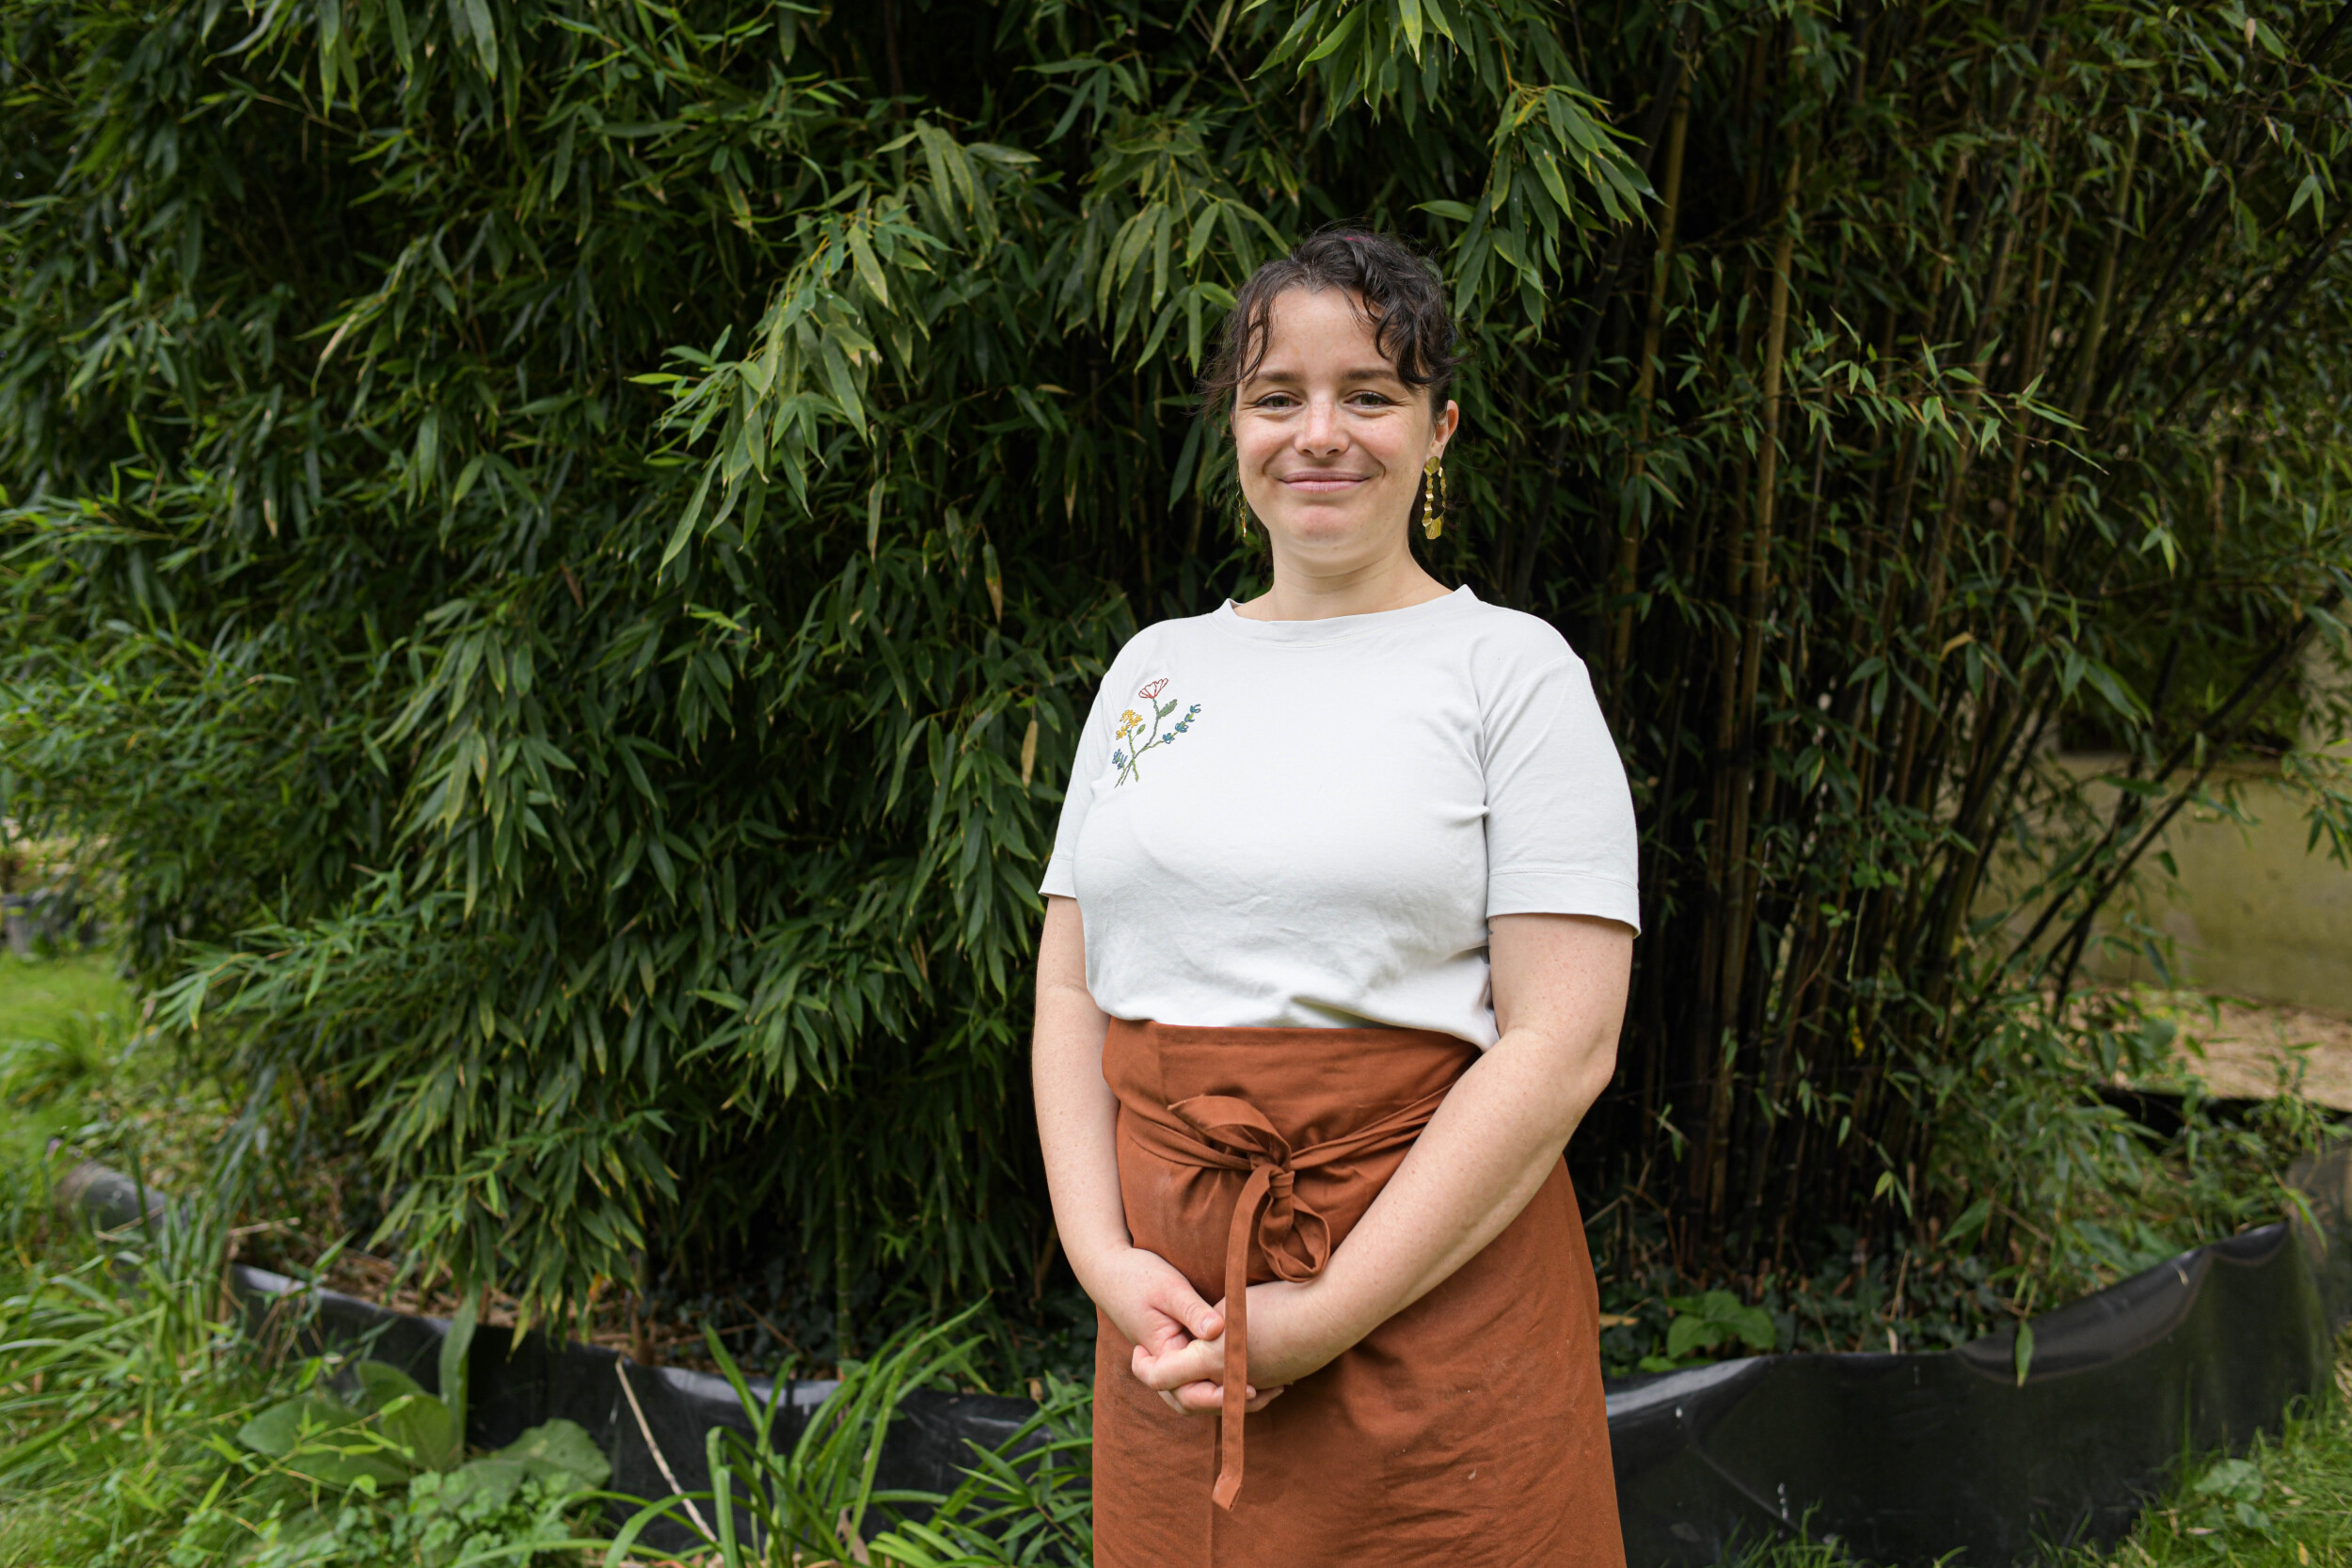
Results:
1441 430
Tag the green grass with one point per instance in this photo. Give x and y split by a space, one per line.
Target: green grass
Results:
2286 1503
77 1066
39 996
62 1022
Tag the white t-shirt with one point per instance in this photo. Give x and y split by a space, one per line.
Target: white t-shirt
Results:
1307 823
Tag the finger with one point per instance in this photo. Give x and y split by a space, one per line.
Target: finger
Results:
1199 1399
1162 1335
1194 1362
1176 1404
1182 1303
1163 1372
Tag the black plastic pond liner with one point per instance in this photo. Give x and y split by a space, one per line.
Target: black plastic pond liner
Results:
1907 1458
517 1384
1904 1459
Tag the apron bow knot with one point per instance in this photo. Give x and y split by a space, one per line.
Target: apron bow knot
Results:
1223 1132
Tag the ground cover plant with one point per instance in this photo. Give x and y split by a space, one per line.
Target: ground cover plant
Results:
40 996
141 1422
2287 1500
144 1423
560 545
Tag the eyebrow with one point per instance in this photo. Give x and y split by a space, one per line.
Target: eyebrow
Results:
1361 373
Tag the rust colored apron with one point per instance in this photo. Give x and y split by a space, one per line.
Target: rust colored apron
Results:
1468 1430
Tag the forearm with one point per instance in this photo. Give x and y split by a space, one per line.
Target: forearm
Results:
1076 1112
1491 1146
1558 988
1076 1118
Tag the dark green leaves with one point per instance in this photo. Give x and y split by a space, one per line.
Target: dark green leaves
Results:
565 546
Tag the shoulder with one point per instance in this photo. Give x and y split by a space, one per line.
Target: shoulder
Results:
1151 653
1162 640
1510 647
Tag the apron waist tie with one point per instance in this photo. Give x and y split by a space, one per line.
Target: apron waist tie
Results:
1217 1131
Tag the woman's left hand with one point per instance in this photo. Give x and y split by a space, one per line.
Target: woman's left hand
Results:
1287 1339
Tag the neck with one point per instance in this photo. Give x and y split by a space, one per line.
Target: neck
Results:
1305 590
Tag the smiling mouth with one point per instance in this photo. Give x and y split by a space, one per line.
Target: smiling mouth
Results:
1323 481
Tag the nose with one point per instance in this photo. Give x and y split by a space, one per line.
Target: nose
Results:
1323 434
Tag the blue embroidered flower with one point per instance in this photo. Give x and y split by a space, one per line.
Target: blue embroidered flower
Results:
1119 759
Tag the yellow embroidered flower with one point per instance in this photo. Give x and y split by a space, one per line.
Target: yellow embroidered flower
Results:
1128 720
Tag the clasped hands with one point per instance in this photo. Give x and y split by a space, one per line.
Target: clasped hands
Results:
1179 1339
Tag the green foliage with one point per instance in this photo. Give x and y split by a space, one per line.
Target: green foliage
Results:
2228 1489
634 857
2078 1194
388 1430
40 997
72 1057
1025 1502
2284 1502
1706 1322
392 1433
441 1521
562 545
140 1429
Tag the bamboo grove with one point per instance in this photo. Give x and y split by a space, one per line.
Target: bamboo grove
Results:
559 545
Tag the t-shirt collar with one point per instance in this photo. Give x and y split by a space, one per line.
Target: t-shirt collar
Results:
1338 628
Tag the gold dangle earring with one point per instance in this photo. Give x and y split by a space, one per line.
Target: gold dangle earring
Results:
1432 499
1241 511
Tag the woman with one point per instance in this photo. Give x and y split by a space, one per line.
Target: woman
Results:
1338 927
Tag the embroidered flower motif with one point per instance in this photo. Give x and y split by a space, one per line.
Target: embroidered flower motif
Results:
1135 731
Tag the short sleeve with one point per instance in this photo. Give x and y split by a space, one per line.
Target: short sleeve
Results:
1560 833
1061 869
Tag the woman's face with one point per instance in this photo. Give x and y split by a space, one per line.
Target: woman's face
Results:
1330 439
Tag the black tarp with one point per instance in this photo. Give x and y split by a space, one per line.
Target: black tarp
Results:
518 1383
1911 1458
1901 1458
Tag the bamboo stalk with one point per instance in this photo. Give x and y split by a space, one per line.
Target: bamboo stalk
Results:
1624 577
1742 874
2103 294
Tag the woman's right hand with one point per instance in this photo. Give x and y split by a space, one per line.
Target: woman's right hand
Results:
1077 1118
1159 1311
1151 1302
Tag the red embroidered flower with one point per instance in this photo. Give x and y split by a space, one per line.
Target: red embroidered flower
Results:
1149 692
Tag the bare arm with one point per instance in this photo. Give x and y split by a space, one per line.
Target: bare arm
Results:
1560 984
1077 1114
1152 1304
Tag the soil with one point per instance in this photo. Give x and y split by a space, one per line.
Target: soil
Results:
2250 1050
653 1342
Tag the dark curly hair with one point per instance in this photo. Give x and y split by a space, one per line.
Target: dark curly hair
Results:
1401 293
